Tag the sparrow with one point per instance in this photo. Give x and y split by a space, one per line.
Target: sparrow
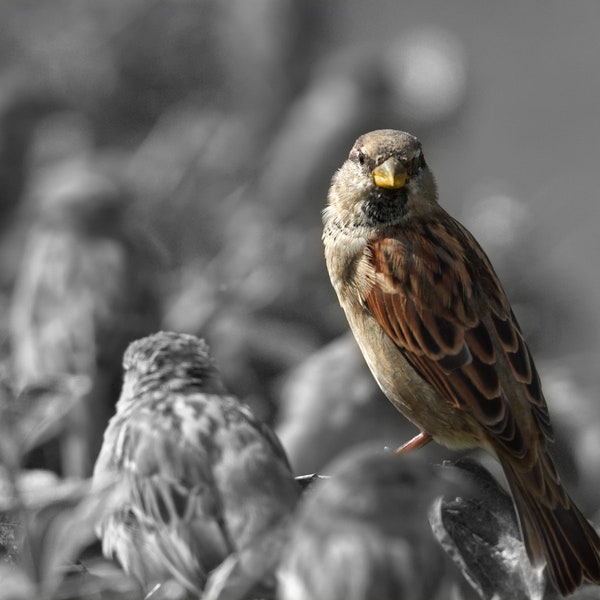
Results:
198 476
439 335
363 532
86 288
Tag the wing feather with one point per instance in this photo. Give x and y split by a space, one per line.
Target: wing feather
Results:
171 513
452 321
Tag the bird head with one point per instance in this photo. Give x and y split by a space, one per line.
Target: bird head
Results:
170 361
384 181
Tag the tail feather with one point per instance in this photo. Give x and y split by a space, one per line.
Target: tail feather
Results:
554 530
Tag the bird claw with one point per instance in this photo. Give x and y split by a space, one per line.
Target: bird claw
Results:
421 439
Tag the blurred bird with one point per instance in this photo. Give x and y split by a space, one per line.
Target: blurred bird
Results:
363 533
440 337
200 477
85 289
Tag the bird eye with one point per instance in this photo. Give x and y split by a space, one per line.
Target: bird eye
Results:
361 157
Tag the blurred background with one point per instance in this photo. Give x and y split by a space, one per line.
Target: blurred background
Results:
221 123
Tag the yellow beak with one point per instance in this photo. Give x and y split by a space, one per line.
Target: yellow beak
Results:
390 174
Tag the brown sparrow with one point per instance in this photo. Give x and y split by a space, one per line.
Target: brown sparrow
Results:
440 337
199 476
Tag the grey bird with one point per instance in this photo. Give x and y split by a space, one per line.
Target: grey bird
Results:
86 288
201 479
363 533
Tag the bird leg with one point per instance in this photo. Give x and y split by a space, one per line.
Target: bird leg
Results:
418 441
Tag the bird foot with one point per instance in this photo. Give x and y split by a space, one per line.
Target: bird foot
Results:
421 439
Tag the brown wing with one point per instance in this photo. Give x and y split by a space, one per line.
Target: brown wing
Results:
436 295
